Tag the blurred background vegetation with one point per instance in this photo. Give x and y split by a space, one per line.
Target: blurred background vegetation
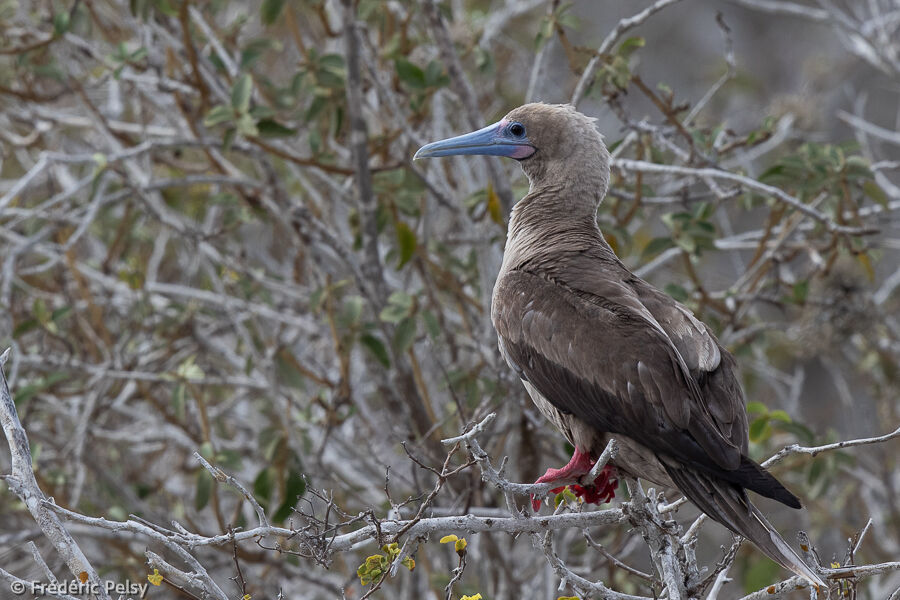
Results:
197 255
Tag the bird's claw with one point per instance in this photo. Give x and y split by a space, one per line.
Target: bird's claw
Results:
602 489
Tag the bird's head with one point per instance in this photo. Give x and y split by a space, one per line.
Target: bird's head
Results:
552 142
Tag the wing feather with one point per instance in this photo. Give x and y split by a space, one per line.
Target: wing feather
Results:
609 365
711 366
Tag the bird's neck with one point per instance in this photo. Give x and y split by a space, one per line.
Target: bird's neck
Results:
550 220
550 211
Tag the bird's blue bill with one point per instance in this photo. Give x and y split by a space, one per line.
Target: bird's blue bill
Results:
493 140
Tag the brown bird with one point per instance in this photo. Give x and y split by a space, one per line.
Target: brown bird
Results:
604 354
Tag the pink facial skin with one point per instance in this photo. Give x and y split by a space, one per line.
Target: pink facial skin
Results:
523 151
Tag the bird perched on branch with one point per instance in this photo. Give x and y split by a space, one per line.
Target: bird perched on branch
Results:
604 354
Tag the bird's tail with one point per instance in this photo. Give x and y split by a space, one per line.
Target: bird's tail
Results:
729 505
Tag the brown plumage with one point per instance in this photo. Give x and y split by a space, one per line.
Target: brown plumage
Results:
605 354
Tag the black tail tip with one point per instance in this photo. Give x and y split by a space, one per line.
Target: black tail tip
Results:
756 478
781 493
791 500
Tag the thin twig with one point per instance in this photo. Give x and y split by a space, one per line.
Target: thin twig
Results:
815 450
587 77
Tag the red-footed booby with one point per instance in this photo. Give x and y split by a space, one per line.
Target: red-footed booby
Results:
604 354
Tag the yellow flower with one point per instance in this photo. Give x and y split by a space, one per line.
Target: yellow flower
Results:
475 597
156 578
448 538
460 544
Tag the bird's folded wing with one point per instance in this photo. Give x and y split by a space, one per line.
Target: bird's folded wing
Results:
711 366
602 360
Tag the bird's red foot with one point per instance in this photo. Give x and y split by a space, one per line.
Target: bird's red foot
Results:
602 489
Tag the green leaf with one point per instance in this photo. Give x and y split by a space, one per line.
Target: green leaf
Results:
677 292
630 45
61 22
759 429
780 415
703 211
61 313
317 105
376 347
240 93
247 126
875 193
404 334
270 11
178 401
272 444
567 495
261 112
406 242
801 432
25 326
204 489
757 407
26 392
228 138
330 73
857 167
434 75
410 74
816 469
494 208
332 62
484 61
230 459
657 245
165 7
262 485
269 128
189 370
206 450
393 313
294 487
432 326
545 32
801 291
352 310
399 307
218 114
687 243
40 311
255 49
287 371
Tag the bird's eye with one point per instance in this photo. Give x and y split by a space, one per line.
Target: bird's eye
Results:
517 129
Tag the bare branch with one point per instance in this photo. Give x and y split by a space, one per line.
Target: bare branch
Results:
587 77
778 194
22 483
814 450
220 475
